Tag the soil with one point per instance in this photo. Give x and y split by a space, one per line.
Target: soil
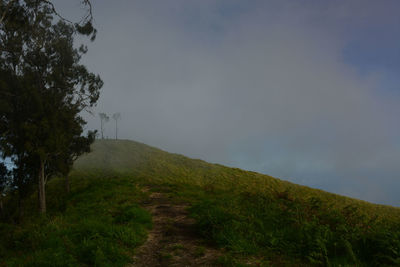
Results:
173 241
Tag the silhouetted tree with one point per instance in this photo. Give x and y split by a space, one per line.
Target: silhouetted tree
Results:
103 119
116 117
7 9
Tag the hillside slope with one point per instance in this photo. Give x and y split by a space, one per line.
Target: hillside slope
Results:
256 215
194 214
153 164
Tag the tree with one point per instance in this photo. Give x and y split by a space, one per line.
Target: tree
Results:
103 119
77 147
4 181
116 117
43 89
7 8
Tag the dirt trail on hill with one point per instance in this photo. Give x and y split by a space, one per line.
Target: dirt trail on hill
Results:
173 240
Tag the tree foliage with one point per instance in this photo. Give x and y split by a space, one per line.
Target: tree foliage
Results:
43 90
4 183
4 178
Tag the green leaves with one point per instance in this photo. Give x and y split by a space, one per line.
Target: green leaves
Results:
43 89
87 29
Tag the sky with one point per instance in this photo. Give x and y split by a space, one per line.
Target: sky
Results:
307 91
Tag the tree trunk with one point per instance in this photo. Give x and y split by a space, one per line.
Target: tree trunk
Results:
42 189
1 206
67 187
20 210
101 128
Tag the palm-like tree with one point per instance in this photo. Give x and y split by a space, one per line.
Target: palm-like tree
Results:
116 117
103 119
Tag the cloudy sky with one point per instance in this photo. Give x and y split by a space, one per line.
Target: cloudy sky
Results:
307 91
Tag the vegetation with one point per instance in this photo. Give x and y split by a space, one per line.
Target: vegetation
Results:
258 220
255 215
94 215
43 89
103 119
98 224
116 117
4 181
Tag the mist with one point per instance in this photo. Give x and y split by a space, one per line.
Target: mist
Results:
276 87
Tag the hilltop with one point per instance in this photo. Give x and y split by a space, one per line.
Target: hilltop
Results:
153 164
195 213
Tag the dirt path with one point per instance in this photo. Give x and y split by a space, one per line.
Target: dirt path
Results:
173 240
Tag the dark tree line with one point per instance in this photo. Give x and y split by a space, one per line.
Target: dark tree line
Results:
43 89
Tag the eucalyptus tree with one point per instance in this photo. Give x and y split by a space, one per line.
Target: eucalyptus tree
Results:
4 181
103 119
79 145
116 117
43 89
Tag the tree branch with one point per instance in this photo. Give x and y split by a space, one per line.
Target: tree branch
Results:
55 11
5 11
86 18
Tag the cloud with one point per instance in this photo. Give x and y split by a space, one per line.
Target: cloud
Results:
260 86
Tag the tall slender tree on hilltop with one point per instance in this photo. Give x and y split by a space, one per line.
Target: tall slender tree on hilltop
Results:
116 117
43 89
103 119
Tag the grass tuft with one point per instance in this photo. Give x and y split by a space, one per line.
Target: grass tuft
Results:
98 224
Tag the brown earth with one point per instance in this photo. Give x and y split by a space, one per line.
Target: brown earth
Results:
173 241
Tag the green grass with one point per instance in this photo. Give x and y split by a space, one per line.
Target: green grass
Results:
152 165
284 230
257 216
258 219
98 224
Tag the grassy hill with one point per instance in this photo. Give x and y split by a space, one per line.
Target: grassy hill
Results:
257 220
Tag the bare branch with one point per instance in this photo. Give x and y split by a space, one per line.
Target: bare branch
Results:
86 18
55 11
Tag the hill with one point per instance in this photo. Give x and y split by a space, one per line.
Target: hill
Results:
244 218
155 165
